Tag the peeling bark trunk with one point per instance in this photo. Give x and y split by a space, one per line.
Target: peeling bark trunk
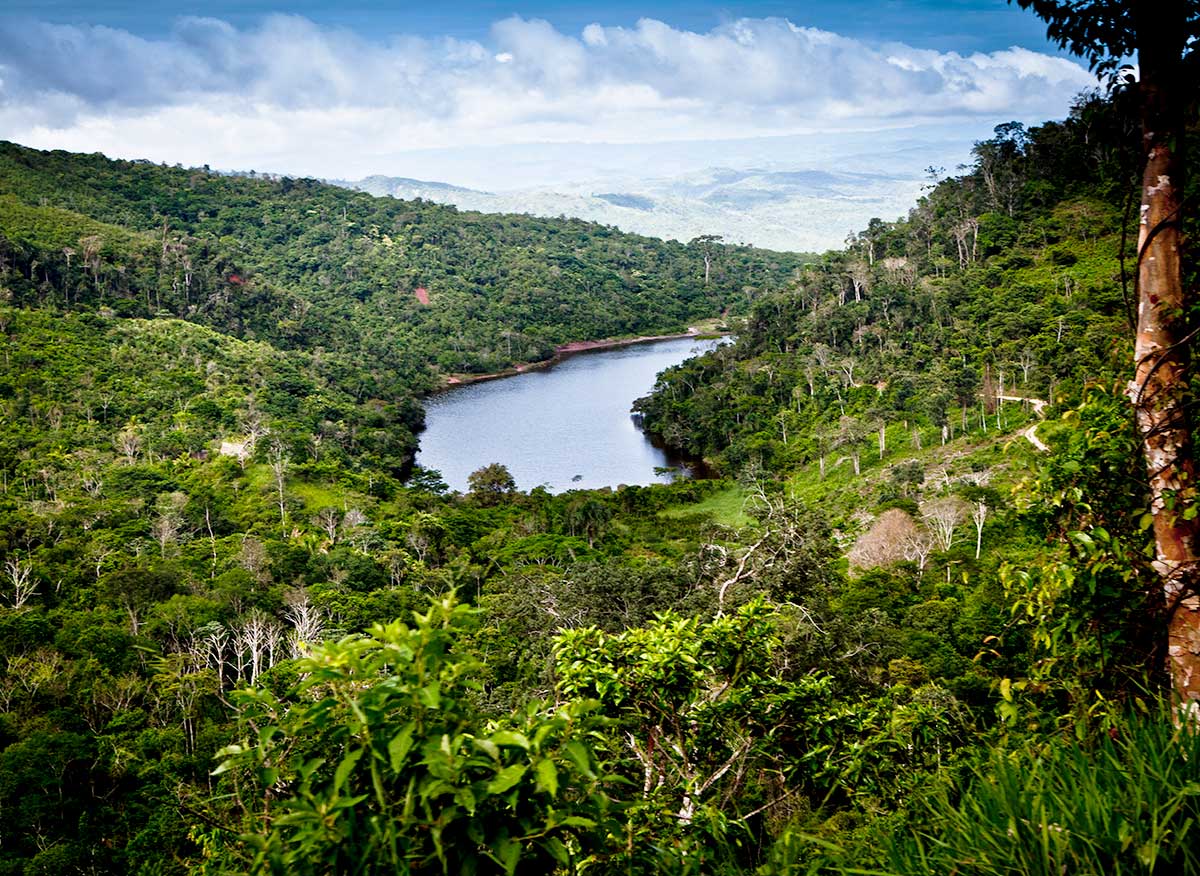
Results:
1160 385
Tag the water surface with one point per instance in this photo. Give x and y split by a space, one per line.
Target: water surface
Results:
564 427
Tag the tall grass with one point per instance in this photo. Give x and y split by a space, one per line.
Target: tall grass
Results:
1126 804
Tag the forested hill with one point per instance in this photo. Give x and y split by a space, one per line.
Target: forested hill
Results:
1006 280
303 265
905 640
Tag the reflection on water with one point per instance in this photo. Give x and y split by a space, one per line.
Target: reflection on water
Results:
565 427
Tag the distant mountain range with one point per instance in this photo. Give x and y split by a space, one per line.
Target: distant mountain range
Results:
791 210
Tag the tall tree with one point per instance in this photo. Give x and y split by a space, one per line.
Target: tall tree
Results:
1162 34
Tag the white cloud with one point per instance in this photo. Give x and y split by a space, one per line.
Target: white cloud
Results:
291 96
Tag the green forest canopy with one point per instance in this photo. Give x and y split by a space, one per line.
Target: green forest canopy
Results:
892 622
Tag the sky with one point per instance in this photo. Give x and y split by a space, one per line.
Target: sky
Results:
505 94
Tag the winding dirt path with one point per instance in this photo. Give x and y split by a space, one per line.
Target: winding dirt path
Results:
1039 408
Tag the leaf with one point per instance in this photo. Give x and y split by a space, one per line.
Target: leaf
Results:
510 737
506 778
557 850
487 747
509 854
430 696
577 821
466 799
342 773
547 777
400 746
578 754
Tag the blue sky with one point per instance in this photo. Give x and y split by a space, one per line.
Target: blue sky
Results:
514 92
961 25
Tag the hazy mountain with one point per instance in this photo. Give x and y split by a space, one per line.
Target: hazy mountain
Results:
793 209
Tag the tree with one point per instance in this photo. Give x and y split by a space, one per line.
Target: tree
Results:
700 707
979 515
943 516
1163 34
885 542
379 761
491 484
21 585
707 243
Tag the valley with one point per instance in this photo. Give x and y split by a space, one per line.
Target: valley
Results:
331 540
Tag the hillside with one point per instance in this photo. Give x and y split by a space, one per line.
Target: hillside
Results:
303 264
236 639
1007 280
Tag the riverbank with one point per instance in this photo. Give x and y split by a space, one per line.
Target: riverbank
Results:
562 351
567 428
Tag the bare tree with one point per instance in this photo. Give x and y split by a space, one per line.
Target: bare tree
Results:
256 638
307 621
979 513
279 468
900 271
968 228
859 273
212 644
850 435
129 444
886 542
917 547
91 246
168 525
356 529
707 244
943 516
328 521
1026 361
21 586
253 558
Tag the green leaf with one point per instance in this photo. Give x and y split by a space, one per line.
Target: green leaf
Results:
557 850
400 746
466 799
547 777
487 747
578 754
510 737
342 773
430 696
508 853
577 821
506 778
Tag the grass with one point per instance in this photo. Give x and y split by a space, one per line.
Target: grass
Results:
317 496
841 493
314 496
1130 804
725 508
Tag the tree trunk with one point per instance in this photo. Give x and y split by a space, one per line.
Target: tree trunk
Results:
1160 385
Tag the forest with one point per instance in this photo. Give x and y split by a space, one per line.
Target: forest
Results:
914 625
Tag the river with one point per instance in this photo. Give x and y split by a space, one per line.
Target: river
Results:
564 427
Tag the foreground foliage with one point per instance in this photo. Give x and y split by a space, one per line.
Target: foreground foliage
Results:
377 762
